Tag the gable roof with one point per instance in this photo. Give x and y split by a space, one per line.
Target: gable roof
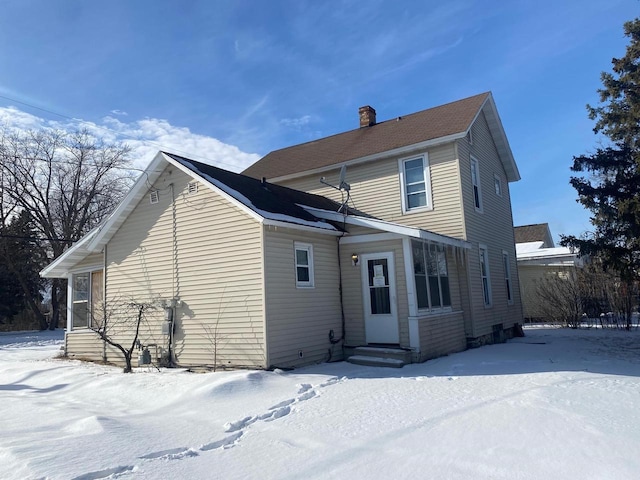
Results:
267 203
421 129
538 232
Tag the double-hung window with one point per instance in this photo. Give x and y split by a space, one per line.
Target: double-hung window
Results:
507 276
484 274
416 185
87 299
475 182
304 264
431 275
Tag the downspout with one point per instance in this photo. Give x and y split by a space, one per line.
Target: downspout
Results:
174 274
104 300
342 317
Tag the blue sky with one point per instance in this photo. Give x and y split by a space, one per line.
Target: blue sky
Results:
231 80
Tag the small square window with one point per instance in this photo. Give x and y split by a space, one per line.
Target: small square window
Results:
304 265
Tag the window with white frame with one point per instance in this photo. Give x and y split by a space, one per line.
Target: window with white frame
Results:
507 276
416 187
87 299
431 275
498 185
304 264
484 274
475 181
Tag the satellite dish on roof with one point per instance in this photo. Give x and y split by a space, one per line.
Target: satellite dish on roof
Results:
343 186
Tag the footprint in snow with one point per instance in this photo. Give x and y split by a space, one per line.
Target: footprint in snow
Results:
239 424
304 387
171 454
332 381
225 443
284 403
106 473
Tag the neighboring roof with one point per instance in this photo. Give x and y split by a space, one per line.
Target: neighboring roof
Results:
528 247
557 256
427 127
538 232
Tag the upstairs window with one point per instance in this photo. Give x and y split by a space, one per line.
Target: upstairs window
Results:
304 265
414 174
475 181
498 185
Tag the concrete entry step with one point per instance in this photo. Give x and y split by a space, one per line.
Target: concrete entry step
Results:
379 356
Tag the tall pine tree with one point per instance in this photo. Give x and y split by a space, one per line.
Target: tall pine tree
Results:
608 181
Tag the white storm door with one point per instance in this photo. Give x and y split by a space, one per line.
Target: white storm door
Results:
379 295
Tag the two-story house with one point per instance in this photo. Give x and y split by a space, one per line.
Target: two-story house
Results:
395 238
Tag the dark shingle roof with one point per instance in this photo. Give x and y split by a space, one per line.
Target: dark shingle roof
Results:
262 197
438 122
538 232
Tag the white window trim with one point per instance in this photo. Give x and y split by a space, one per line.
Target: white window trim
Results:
309 249
506 261
488 302
474 161
427 184
497 182
70 300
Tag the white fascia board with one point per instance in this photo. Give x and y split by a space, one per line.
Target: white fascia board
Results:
396 228
500 138
407 231
374 237
297 226
122 211
60 267
376 156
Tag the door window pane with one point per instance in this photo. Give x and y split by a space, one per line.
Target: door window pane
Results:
379 292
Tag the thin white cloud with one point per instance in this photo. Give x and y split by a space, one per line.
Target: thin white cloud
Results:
119 112
296 123
145 137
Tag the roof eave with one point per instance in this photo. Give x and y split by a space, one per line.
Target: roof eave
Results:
499 138
376 156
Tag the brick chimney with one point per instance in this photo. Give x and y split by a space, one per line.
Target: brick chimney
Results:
367 116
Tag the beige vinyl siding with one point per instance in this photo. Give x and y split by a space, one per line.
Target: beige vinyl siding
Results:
217 275
376 190
493 228
441 334
94 260
352 289
86 345
299 319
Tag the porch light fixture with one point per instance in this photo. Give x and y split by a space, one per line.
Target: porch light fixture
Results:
355 259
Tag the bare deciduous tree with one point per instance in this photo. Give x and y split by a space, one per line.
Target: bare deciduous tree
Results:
68 182
119 325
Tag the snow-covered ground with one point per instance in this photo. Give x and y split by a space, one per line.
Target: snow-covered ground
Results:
557 404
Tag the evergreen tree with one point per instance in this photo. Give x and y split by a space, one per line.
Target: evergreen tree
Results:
608 183
20 262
